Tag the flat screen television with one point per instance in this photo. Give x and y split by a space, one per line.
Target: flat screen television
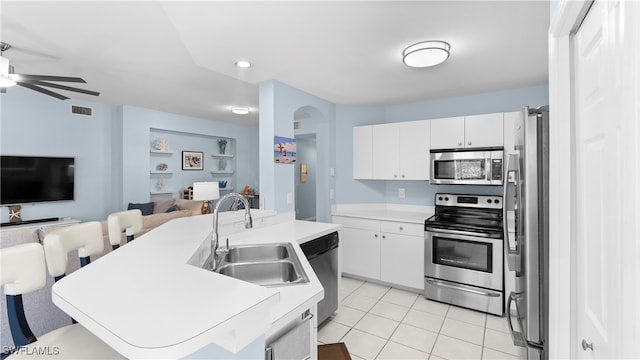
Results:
34 179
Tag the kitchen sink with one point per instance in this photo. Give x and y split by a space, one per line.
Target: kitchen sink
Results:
269 273
263 264
247 253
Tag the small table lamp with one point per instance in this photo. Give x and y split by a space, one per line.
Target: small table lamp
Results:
206 191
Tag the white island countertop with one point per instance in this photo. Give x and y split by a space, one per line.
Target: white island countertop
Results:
146 301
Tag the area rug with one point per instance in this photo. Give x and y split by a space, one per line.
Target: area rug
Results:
336 351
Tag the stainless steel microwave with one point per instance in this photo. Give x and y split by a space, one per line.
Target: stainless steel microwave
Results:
467 167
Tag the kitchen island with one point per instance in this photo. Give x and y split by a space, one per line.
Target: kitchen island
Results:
151 298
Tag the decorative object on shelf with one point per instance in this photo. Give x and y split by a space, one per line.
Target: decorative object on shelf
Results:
206 191
284 150
187 193
222 145
161 144
161 184
222 184
192 160
14 214
162 167
222 164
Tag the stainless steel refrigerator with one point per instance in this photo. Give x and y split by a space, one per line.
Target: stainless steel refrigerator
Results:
526 217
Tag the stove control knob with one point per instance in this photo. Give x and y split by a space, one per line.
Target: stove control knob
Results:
488 201
446 199
440 198
497 201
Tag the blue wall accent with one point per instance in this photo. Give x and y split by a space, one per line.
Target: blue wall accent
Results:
278 104
39 125
111 149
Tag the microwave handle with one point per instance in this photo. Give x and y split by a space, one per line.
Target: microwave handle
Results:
509 212
488 167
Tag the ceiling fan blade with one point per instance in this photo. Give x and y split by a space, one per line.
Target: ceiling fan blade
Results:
24 77
41 90
63 87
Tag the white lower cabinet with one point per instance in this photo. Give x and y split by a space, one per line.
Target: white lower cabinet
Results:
389 251
361 252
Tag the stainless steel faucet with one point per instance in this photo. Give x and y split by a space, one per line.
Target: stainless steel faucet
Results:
217 254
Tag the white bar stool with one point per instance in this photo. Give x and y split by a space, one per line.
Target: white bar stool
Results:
129 222
23 271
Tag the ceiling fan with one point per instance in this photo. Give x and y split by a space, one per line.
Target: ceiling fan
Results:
36 82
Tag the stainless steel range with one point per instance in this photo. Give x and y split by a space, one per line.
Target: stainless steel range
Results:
464 252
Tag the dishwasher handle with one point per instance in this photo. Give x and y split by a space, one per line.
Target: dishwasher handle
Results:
314 248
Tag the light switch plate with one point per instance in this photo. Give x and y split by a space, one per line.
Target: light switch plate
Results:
289 198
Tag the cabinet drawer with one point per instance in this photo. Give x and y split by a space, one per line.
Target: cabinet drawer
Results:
357 223
402 228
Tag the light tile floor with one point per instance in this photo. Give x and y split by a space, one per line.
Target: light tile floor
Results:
380 322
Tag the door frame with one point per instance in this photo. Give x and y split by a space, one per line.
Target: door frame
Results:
562 223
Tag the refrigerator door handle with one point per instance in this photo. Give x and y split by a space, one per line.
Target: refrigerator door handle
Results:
509 213
518 337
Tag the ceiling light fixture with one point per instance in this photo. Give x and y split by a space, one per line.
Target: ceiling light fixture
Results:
243 64
240 110
426 53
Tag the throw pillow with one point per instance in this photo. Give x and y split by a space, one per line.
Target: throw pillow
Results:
161 205
173 207
145 208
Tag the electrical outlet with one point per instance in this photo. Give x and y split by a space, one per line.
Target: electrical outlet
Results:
333 171
332 194
289 198
401 193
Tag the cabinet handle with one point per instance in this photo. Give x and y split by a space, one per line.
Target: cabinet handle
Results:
469 143
403 176
395 175
586 345
376 235
384 236
459 143
401 228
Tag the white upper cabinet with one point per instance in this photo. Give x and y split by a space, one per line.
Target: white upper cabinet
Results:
414 150
467 132
483 130
395 151
447 133
362 157
386 141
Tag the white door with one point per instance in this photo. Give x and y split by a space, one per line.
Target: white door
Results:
600 162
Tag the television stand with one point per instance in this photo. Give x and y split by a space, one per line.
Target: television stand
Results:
25 222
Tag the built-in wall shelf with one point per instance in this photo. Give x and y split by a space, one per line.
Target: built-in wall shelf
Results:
161 192
228 188
162 172
222 155
160 152
218 172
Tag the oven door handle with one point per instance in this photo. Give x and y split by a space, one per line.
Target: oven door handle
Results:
456 232
461 288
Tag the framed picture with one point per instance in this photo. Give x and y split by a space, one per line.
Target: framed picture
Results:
284 150
192 160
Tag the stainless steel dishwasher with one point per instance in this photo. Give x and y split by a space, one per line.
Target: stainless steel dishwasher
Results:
322 254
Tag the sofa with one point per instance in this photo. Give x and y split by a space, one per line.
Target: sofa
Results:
155 213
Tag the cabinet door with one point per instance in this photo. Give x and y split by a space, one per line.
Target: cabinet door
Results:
509 130
414 148
361 253
386 142
362 157
484 130
402 260
447 133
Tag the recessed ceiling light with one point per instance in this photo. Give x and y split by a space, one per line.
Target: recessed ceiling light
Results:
426 53
240 110
243 64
